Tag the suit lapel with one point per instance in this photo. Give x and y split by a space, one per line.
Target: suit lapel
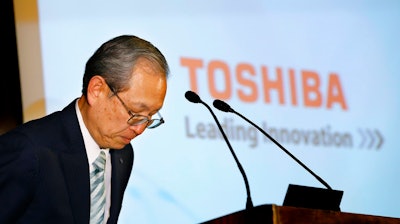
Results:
76 170
122 161
116 185
75 166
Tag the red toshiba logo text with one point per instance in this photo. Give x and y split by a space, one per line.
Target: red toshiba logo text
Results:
256 83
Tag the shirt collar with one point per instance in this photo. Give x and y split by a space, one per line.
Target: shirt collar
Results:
92 148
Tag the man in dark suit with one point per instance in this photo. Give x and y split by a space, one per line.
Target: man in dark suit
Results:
45 164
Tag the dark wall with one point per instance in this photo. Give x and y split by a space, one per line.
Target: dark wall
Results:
10 91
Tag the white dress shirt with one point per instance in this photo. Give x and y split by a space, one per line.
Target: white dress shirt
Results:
92 152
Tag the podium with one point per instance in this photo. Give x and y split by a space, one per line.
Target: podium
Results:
274 214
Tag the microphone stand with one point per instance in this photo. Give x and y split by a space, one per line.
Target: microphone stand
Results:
190 95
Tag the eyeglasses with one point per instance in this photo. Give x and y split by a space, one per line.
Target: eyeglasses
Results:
137 119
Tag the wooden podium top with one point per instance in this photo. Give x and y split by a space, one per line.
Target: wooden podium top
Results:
274 214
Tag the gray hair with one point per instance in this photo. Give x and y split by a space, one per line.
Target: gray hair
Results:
115 59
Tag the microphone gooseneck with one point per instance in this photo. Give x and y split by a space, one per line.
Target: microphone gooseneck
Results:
194 98
223 106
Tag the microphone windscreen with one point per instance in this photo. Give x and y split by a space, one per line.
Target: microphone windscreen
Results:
221 105
192 97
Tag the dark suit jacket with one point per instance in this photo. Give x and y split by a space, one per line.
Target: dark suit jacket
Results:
44 172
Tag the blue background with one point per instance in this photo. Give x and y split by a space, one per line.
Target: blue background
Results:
179 177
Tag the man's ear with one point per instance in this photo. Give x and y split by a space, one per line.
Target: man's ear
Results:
96 89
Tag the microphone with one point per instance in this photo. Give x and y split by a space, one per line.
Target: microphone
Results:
223 106
194 98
